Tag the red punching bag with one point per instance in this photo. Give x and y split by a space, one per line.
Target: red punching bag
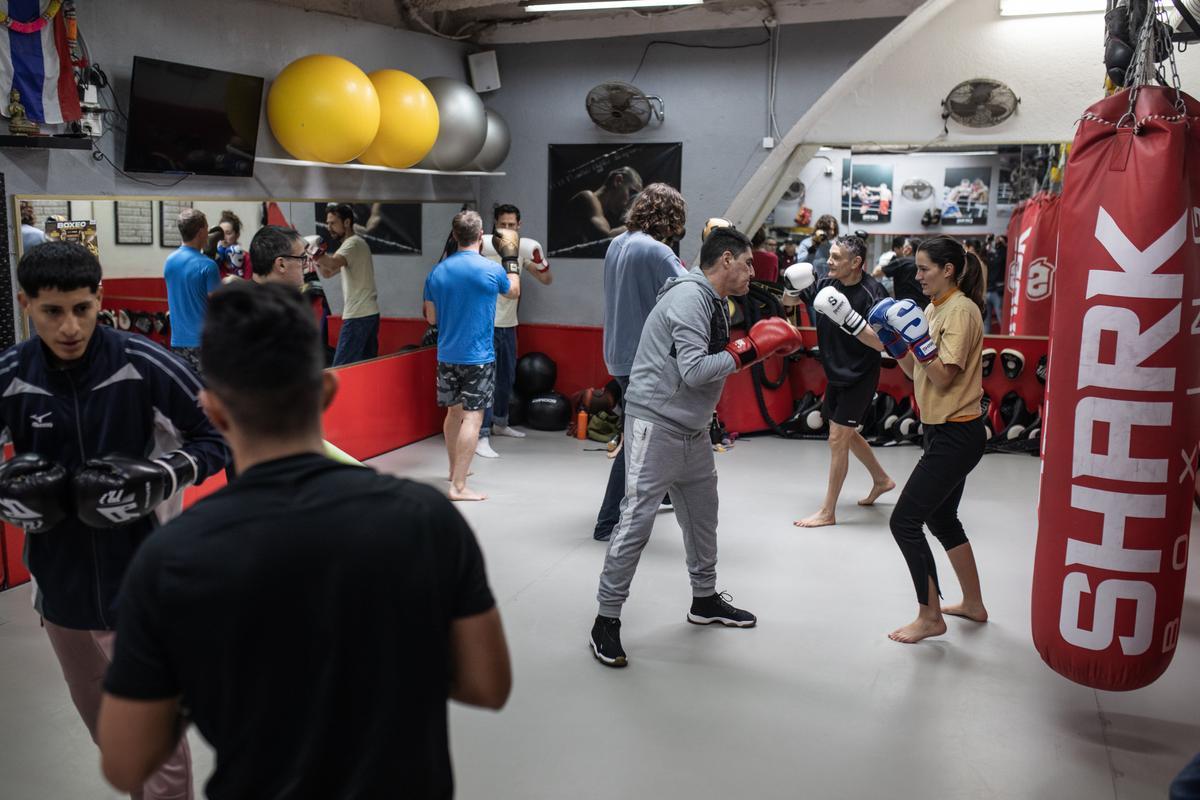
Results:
1040 239
1013 294
1013 233
1122 416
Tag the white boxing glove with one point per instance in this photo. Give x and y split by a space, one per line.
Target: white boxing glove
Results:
488 251
533 256
833 304
797 278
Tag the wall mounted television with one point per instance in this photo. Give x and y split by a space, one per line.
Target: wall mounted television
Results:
188 119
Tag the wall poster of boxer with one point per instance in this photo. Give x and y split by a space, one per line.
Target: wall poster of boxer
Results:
847 191
965 197
870 193
388 228
593 185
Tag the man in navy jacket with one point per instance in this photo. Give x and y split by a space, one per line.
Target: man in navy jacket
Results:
106 426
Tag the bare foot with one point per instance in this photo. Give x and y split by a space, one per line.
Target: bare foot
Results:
876 490
817 520
918 629
465 494
974 612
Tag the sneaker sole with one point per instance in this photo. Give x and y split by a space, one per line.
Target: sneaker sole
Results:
618 662
695 619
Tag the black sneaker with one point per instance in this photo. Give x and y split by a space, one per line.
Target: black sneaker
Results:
606 642
716 608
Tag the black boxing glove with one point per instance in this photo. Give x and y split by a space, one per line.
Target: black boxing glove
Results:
116 490
33 492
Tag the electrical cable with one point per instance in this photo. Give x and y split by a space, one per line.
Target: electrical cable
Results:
689 45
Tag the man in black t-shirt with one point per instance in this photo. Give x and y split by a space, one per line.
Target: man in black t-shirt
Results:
903 271
851 367
313 617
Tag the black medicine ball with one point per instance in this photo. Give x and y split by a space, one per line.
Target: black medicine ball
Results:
549 411
536 373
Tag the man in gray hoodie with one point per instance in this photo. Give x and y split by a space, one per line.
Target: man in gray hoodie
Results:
682 360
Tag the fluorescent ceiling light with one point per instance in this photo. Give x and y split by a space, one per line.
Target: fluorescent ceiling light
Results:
956 153
1025 8
601 5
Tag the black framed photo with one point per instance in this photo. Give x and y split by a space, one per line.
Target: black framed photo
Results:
135 221
168 221
388 228
592 187
965 194
871 193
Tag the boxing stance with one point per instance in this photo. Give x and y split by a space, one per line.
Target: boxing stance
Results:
460 298
851 367
532 260
106 425
942 351
678 372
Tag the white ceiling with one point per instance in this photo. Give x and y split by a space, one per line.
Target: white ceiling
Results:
506 22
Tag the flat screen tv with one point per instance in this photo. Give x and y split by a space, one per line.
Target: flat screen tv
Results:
185 119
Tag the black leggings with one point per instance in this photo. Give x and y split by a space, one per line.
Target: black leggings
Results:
931 497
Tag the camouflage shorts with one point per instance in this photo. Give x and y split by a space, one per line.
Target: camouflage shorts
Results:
472 385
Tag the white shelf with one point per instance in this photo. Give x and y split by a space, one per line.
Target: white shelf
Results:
291 162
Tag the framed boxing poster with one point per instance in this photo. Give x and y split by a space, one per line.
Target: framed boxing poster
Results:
871 193
966 191
388 228
847 191
593 185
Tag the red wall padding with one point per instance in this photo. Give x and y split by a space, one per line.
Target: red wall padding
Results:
577 350
384 404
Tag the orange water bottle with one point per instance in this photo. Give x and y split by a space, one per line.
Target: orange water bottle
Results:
581 423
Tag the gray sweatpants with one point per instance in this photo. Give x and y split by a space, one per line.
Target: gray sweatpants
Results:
658 460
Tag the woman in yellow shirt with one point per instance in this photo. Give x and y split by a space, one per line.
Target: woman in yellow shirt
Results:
945 361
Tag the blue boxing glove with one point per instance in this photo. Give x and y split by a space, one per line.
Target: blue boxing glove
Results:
892 342
906 318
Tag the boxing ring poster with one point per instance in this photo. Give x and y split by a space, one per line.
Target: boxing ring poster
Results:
593 185
965 195
870 192
388 228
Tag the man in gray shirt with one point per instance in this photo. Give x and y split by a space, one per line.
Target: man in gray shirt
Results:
636 265
682 360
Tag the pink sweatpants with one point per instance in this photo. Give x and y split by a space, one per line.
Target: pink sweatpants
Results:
84 657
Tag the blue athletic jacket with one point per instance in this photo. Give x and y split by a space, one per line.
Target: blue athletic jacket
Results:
126 395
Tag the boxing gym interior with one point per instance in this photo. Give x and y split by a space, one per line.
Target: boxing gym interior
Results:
996 200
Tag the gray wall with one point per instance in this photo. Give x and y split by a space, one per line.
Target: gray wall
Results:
716 105
256 38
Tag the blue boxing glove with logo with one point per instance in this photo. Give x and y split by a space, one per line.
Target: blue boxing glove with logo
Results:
908 320
892 342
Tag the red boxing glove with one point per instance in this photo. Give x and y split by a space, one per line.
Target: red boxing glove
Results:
769 337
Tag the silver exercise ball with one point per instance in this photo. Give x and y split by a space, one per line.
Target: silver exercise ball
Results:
495 146
463 125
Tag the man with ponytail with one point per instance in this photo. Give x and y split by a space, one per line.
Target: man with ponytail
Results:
942 351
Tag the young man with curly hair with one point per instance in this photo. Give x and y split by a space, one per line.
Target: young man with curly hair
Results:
636 266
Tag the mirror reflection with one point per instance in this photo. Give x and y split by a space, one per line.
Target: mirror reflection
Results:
892 197
361 265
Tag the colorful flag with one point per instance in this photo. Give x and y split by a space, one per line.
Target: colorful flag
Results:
35 60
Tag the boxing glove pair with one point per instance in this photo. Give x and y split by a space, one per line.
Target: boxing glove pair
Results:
901 326
37 494
316 245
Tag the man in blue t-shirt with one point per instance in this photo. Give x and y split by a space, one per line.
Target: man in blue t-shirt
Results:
191 277
460 298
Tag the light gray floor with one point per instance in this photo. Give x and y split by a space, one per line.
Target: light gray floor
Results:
814 703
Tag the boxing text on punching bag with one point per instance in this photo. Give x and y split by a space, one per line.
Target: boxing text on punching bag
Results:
1113 330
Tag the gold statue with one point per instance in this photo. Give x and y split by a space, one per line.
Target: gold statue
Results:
18 123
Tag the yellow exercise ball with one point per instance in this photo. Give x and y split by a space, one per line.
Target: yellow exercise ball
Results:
323 108
408 121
